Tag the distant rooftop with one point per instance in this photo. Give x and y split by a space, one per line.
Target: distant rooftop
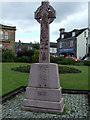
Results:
68 35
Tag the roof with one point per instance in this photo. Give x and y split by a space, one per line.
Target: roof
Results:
68 35
53 44
7 27
23 44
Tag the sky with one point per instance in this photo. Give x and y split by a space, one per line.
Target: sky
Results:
69 15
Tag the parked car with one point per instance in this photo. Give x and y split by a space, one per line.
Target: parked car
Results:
87 58
73 58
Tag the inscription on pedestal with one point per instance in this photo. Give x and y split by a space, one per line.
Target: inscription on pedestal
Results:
42 93
43 76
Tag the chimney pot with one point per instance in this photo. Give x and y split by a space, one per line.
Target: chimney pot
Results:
62 30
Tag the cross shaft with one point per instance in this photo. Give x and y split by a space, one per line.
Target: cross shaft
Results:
45 15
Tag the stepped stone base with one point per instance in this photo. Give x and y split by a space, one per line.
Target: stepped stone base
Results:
44 91
37 109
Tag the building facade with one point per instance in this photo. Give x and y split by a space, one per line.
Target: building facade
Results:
19 46
7 37
74 43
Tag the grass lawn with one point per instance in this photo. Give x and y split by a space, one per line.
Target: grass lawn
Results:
13 79
77 81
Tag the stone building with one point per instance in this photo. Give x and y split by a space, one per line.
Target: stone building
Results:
74 43
7 37
20 45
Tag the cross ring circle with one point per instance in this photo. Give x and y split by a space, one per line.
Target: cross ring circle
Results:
51 14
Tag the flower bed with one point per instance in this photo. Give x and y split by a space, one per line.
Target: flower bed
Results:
62 69
65 69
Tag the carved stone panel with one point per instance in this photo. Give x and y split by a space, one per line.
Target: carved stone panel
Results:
43 76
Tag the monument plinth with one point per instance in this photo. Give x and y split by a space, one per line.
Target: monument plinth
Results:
44 92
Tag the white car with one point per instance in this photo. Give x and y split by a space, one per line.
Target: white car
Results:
87 58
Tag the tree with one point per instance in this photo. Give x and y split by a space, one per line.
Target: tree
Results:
24 48
8 56
35 57
36 46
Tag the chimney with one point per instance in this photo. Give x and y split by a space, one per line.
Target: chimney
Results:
62 30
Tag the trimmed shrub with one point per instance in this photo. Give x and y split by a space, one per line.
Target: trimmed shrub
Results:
53 59
24 59
87 62
79 64
63 61
67 62
29 53
25 56
20 53
35 57
60 58
56 59
8 56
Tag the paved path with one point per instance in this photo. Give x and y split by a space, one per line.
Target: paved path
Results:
76 106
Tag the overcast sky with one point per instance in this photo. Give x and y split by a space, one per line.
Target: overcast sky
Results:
69 15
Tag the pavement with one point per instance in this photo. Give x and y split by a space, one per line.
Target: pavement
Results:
76 106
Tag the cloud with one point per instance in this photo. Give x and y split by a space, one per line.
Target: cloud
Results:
65 9
76 16
18 10
69 15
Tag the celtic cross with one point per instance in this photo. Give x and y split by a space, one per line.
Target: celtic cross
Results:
45 15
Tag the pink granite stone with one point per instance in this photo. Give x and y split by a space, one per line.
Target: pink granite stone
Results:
44 92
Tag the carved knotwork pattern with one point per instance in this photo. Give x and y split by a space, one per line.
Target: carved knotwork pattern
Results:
51 14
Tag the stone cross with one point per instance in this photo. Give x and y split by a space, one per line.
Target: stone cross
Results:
45 15
44 92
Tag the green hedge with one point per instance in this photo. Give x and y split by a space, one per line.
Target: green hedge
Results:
8 56
67 62
62 69
63 61
56 59
26 59
87 62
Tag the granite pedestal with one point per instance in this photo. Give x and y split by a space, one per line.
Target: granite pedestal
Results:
44 92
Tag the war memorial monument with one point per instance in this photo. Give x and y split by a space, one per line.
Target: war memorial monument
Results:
44 92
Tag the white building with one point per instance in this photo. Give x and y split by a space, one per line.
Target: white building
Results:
83 44
75 42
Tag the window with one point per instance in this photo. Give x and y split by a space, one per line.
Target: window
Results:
60 44
73 34
85 34
71 43
1 34
50 50
53 50
6 35
62 36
